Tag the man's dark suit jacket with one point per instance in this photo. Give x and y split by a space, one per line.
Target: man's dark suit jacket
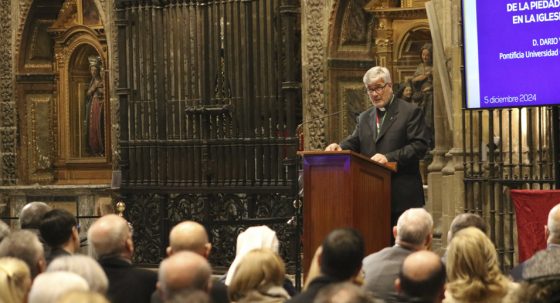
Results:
314 287
382 268
127 283
402 138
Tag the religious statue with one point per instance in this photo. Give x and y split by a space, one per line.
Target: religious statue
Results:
422 82
95 99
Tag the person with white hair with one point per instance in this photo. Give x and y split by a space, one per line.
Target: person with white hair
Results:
84 266
252 238
412 233
48 287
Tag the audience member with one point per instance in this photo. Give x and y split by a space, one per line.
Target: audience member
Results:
111 240
339 261
4 230
259 278
252 238
25 245
421 279
472 270
30 219
412 233
541 276
31 215
345 292
60 232
462 221
552 234
85 267
192 236
80 296
183 270
49 287
15 280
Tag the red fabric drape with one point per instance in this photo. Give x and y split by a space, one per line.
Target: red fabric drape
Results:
531 212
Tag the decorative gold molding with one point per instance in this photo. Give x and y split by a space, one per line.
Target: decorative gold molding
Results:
314 78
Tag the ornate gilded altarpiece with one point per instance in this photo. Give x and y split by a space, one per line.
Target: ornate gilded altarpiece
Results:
59 41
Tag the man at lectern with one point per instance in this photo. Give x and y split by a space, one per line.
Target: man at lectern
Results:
393 130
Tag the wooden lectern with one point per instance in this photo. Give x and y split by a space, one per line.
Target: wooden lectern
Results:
345 189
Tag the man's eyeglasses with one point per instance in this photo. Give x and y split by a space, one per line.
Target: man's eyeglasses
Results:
377 90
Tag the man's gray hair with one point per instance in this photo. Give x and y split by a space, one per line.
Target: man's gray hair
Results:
414 226
24 245
375 73
84 266
32 213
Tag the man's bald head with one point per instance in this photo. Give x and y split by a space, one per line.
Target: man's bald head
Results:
422 276
189 236
552 228
110 235
183 270
32 213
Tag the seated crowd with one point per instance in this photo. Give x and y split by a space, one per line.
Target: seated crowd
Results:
41 263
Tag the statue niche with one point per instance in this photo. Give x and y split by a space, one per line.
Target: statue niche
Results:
83 137
87 103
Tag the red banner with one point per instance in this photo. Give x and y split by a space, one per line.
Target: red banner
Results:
531 213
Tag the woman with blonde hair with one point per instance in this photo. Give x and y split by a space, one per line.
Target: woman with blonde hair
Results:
473 274
259 278
15 280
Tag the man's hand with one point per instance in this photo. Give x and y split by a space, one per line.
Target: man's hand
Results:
379 158
333 147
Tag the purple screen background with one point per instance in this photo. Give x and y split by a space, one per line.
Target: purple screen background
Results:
514 77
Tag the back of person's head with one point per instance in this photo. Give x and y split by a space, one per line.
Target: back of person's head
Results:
472 267
15 280
49 287
344 292
4 230
465 220
110 235
31 215
24 245
415 227
343 251
553 225
57 227
82 296
258 270
183 270
190 296
84 266
189 236
252 238
422 276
